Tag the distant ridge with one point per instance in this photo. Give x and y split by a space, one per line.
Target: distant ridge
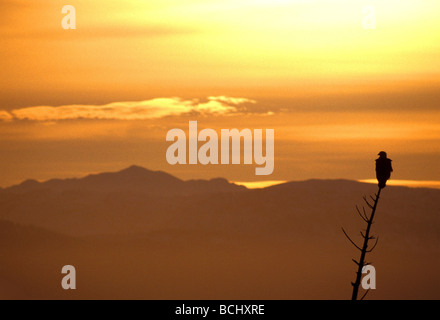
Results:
134 179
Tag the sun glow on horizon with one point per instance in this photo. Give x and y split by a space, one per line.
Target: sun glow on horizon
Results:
401 183
259 184
408 183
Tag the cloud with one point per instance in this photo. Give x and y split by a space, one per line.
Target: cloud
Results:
131 110
5 116
231 100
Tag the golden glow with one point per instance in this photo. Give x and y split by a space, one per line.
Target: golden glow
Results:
259 184
403 183
409 183
234 42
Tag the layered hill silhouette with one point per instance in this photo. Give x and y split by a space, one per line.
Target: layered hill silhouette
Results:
133 179
143 234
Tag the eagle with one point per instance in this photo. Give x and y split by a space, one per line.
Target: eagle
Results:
383 169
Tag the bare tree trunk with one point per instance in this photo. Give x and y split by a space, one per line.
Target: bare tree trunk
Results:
364 250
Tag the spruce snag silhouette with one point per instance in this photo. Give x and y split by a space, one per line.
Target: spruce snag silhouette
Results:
383 173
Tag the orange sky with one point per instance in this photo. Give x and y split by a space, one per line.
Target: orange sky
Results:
103 96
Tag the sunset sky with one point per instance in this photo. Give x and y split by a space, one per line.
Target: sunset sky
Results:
103 97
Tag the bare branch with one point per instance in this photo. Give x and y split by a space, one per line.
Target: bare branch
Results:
351 240
364 236
365 294
360 214
365 214
368 204
377 240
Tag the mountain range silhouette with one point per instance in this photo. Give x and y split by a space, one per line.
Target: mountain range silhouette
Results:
146 234
133 179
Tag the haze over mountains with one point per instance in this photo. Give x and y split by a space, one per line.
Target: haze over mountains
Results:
143 234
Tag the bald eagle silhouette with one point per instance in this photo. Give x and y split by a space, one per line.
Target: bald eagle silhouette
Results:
383 169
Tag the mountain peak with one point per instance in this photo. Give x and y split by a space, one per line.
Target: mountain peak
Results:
135 169
30 182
